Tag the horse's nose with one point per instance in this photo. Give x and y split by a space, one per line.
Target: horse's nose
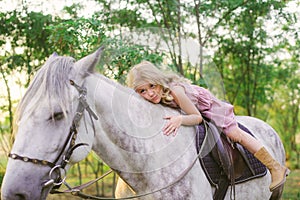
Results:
14 190
19 196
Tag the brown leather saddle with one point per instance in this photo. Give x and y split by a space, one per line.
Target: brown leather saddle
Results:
224 162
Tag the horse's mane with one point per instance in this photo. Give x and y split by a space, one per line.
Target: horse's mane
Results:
50 82
114 83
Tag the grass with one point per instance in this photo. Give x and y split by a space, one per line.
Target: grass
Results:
292 186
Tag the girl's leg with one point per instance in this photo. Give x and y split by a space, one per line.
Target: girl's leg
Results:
278 172
249 142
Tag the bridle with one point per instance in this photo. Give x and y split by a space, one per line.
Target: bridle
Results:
69 145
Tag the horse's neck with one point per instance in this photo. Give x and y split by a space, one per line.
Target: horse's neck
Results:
123 108
127 120
129 137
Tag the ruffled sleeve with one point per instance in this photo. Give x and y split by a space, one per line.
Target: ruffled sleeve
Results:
219 112
200 97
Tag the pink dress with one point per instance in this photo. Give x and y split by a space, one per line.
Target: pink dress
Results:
221 113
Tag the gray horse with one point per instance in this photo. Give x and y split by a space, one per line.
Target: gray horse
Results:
59 123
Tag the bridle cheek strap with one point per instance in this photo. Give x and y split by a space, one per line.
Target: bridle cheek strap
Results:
82 106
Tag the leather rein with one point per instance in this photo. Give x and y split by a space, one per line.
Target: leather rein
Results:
58 181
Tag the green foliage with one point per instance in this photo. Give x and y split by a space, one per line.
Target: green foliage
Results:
76 37
26 31
291 188
241 56
119 56
2 172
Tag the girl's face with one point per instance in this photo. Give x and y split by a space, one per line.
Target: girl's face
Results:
150 92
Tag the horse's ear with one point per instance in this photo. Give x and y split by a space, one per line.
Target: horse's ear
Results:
87 64
53 55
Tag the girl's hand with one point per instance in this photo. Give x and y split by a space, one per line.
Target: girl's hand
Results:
172 125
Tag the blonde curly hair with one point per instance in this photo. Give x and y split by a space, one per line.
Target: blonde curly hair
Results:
145 72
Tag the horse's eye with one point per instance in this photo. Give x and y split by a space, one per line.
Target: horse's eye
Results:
57 116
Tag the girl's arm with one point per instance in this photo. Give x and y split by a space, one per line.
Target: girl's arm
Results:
192 115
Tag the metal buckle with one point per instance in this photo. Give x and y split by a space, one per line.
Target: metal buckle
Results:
52 180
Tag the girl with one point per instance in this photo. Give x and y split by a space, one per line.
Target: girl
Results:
171 90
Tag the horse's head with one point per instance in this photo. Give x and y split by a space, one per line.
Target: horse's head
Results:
53 122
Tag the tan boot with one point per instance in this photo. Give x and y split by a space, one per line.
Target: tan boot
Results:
278 172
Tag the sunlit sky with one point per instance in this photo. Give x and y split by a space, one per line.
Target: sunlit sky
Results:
55 6
47 7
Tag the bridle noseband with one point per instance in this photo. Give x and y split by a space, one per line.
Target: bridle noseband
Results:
82 106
